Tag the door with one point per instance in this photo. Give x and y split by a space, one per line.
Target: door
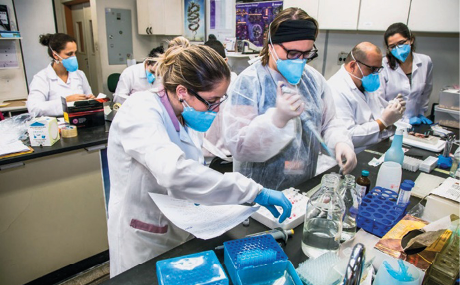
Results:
86 53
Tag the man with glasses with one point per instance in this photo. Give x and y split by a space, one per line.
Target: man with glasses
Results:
359 105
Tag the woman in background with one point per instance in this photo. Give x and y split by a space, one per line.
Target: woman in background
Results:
407 72
60 79
137 77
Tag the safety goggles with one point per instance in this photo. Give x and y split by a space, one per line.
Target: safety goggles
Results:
309 55
211 106
374 69
398 44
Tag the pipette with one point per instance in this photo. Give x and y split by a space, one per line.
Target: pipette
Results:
307 119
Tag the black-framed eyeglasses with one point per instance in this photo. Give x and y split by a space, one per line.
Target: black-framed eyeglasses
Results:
211 106
374 69
309 55
398 44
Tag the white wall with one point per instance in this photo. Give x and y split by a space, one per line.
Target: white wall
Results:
12 82
34 18
142 44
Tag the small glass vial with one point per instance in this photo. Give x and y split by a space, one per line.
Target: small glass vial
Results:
455 161
363 184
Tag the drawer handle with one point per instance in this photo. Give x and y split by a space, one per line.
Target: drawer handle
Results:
96 147
12 165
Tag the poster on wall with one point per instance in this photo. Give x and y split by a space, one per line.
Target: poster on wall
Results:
194 20
252 20
4 21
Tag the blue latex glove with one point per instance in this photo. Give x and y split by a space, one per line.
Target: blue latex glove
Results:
415 121
425 120
271 198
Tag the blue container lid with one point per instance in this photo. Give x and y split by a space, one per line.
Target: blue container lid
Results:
410 182
198 268
405 186
365 173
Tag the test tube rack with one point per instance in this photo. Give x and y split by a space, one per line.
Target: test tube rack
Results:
258 260
378 211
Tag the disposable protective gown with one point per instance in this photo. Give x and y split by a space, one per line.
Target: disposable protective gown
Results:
278 158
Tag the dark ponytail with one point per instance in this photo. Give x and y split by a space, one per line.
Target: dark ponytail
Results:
56 41
403 30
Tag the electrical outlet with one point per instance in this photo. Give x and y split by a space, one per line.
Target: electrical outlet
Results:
342 57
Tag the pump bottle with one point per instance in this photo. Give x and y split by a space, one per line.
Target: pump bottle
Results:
395 153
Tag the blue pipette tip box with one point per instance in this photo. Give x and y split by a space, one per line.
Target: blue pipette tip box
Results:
258 260
379 212
198 268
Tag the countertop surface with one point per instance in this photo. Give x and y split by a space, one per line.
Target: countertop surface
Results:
87 137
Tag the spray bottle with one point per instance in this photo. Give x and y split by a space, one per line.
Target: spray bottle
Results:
395 152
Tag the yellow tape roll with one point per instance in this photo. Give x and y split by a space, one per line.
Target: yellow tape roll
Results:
69 131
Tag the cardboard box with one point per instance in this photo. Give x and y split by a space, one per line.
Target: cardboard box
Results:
43 131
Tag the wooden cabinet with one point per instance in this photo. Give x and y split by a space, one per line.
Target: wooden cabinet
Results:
338 14
434 16
378 15
160 17
309 6
330 14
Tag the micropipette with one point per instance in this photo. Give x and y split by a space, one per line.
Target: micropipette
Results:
307 119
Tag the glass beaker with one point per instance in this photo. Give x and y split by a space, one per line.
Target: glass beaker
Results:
323 219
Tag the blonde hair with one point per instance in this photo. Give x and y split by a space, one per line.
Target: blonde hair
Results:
287 14
179 41
198 68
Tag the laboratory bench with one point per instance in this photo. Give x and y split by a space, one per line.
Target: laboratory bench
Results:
53 206
146 273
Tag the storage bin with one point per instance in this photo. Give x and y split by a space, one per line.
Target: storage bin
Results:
198 268
258 260
446 117
450 99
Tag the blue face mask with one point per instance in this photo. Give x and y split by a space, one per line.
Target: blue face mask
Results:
401 52
150 76
370 82
291 69
70 64
199 121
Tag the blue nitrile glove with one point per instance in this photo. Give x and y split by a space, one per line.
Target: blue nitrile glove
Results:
271 198
425 120
415 121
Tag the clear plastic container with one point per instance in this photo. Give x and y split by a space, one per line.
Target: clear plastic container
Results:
389 176
323 219
385 278
454 170
446 117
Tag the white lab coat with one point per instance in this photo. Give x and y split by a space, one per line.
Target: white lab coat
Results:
417 94
358 110
278 158
147 154
132 79
47 89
